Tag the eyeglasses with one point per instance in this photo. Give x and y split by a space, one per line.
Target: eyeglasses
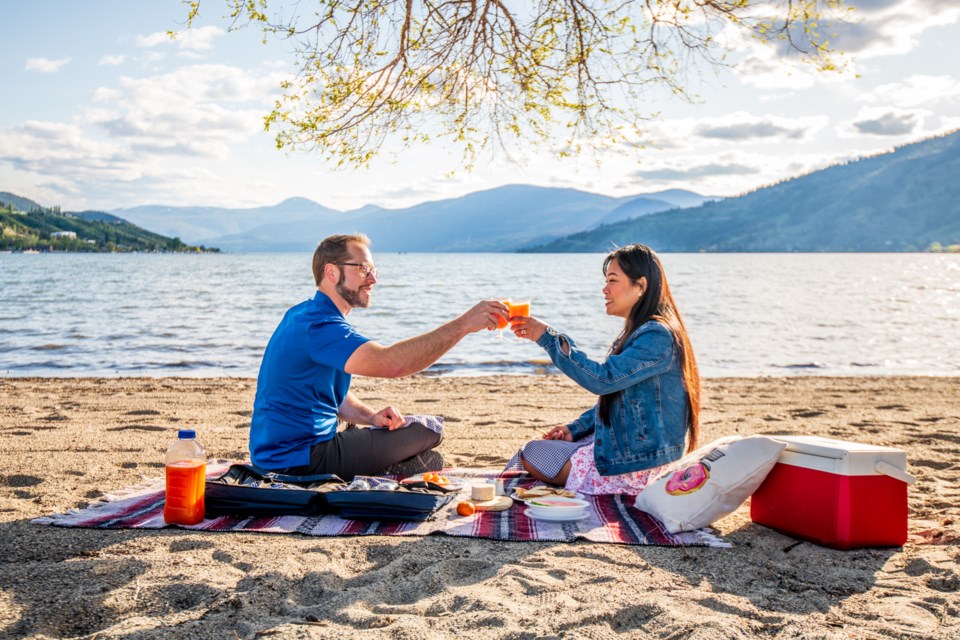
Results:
364 268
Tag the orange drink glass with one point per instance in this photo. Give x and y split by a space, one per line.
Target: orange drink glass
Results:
501 322
519 308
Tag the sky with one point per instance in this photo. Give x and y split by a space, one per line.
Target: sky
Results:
103 111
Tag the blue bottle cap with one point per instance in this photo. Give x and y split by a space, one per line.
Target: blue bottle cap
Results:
186 434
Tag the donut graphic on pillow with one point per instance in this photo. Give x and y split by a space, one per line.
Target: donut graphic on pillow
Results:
690 479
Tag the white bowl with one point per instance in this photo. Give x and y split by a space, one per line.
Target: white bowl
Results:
557 507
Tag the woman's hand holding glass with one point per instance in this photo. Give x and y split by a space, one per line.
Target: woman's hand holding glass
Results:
527 327
559 432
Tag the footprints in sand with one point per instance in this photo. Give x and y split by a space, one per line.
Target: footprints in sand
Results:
937 465
19 483
807 413
947 436
20 480
942 579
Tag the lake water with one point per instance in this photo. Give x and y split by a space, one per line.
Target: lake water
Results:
211 315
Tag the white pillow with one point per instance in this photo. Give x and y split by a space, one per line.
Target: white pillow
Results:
709 483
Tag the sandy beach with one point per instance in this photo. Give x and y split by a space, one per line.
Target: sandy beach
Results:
67 442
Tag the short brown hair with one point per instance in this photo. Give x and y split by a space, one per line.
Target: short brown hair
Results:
335 249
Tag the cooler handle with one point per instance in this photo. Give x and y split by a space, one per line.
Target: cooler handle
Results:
897 473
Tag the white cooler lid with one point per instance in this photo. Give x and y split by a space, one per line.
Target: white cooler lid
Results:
844 458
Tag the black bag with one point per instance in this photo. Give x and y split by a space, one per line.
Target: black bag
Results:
408 502
246 490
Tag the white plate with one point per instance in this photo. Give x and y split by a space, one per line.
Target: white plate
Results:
550 517
556 507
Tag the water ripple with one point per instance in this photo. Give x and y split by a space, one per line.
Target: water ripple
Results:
748 314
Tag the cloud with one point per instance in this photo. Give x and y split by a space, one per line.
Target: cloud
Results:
68 161
105 94
889 27
886 122
193 39
139 137
765 68
153 40
694 172
726 174
876 28
45 65
915 91
949 124
112 61
743 126
51 147
417 192
736 127
193 110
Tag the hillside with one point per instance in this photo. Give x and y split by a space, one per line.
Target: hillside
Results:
89 231
18 203
905 200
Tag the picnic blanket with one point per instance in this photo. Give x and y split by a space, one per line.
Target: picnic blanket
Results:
611 518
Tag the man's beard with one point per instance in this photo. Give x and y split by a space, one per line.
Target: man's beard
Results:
352 296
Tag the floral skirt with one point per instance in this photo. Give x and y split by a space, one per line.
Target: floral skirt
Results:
549 456
584 477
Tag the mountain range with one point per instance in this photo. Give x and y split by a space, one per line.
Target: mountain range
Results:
905 200
506 219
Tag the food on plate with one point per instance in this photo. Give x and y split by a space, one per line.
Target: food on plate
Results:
556 503
436 478
542 491
499 503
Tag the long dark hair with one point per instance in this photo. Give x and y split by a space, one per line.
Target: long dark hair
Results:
639 261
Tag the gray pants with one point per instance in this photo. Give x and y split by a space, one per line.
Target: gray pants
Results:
366 452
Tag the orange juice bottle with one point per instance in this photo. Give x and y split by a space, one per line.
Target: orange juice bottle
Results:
186 479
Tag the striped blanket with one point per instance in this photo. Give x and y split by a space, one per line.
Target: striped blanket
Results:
611 518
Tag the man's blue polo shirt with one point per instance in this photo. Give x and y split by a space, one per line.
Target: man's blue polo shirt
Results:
301 384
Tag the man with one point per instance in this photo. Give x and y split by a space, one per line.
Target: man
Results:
304 383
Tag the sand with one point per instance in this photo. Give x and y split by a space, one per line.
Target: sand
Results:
66 442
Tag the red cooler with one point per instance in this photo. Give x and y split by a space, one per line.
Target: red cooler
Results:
843 495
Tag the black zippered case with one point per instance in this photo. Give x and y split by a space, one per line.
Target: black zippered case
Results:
247 490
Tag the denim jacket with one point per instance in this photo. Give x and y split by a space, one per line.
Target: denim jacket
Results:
648 421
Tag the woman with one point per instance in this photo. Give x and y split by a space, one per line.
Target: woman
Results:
648 385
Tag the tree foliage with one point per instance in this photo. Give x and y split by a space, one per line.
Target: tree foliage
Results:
485 72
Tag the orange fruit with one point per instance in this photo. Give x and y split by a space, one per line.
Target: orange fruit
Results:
466 508
430 476
441 480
